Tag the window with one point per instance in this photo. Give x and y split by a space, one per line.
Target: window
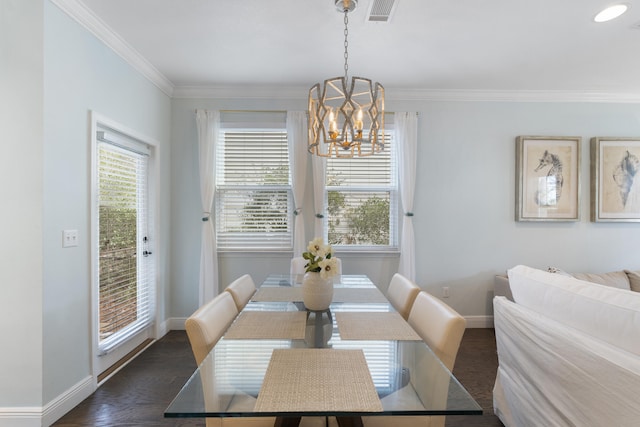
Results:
362 200
253 186
124 263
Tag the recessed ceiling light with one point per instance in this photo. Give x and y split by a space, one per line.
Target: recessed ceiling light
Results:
612 12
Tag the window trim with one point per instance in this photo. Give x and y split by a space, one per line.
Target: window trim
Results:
100 122
145 296
238 122
395 223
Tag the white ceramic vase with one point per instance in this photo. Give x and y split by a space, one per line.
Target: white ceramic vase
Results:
317 292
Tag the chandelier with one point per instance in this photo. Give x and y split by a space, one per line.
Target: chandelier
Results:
346 121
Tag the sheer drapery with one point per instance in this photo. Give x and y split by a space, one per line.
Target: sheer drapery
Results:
208 123
297 140
406 127
319 165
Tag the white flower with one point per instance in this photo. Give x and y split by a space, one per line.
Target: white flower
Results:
316 247
328 268
320 259
328 251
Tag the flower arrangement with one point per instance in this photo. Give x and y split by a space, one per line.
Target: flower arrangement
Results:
320 259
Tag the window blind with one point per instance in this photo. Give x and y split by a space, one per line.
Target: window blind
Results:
253 190
125 267
362 200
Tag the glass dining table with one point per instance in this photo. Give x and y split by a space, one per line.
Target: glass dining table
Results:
358 358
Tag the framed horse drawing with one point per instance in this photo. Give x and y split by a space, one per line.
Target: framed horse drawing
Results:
548 178
615 179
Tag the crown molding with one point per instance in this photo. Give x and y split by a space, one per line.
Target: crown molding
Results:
85 17
511 95
444 95
242 92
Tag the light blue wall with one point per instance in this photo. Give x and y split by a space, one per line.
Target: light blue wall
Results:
464 204
81 75
21 70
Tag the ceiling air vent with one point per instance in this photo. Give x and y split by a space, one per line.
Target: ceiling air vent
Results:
380 10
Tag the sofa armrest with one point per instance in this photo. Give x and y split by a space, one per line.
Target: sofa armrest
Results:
550 374
501 287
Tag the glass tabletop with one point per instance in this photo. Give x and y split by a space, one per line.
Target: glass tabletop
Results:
340 281
408 378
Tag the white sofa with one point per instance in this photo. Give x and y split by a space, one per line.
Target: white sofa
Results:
568 352
623 279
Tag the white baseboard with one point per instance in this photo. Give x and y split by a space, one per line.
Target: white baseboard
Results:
27 416
176 323
479 322
162 329
62 404
33 416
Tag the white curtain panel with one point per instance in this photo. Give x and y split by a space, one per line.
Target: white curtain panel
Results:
208 123
406 126
319 165
297 140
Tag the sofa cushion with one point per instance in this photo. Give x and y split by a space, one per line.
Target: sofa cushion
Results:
609 314
616 279
634 279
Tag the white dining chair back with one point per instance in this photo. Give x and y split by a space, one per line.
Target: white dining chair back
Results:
242 289
440 326
401 293
298 263
208 323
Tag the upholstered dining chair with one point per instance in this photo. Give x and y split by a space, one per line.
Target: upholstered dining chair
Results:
204 328
441 328
242 289
439 325
207 324
401 293
298 263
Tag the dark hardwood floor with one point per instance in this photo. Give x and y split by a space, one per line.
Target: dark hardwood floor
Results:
475 368
139 393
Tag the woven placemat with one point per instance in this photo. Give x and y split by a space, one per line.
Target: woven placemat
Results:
374 326
367 295
268 325
278 294
308 380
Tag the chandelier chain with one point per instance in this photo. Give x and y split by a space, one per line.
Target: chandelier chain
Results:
346 45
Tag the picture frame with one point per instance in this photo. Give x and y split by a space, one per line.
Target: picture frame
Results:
615 179
548 178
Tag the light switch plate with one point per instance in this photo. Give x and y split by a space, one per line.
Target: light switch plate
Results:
69 238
